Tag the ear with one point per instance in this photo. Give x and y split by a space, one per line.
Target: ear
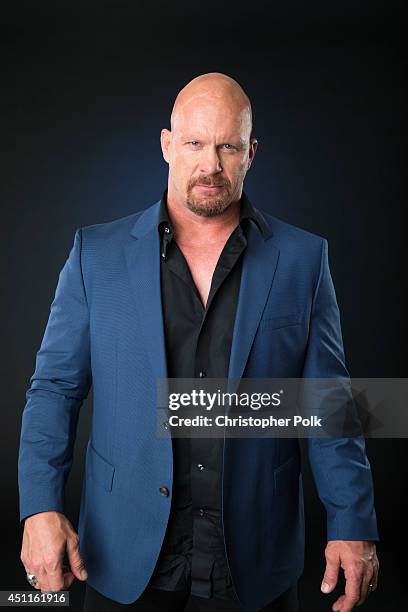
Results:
165 140
253 145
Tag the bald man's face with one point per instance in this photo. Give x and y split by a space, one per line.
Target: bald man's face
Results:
209 151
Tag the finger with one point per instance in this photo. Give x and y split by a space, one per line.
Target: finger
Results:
69 579
353 590
375 575
364 590
337 606
42 580
76 562
40 574
30 571
370 579
54 568
55 579
330 575
68 576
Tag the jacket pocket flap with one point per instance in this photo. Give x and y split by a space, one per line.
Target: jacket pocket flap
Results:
268 322
99 468
286 476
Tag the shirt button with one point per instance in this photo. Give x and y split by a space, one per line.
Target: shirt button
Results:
165 425
202 374
164 491
201 512
167 230
200 466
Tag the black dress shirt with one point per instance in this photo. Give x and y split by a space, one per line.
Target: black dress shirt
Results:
198 344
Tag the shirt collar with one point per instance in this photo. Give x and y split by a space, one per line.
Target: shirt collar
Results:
247 212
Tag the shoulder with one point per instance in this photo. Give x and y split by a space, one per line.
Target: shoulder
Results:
299 248
285 233
118 229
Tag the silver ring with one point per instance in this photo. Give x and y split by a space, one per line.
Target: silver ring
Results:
32 579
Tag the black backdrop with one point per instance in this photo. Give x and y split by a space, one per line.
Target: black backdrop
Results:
85 92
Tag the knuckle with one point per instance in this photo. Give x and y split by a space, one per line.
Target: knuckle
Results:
332 561
36 567
355 569
78 564
50 563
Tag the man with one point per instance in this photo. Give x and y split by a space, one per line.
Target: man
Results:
199 284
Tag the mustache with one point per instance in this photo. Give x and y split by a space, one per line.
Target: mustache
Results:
209 182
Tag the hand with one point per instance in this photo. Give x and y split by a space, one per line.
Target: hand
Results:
46 538
360 563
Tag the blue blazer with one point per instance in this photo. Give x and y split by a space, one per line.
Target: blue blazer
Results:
106 329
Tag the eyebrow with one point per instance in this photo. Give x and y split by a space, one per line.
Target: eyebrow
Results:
235 141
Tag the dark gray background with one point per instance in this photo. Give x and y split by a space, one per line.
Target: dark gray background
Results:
85 92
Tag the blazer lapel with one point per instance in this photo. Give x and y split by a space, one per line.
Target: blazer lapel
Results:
258 270
143 264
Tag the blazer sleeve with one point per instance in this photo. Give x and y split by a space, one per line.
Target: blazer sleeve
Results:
60 383
340 466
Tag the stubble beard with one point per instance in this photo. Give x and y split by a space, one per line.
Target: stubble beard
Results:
208 206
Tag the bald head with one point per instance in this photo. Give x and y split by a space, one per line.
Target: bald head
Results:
209 146
213 88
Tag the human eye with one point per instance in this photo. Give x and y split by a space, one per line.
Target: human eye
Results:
229 147
193 143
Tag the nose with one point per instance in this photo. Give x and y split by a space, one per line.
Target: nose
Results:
210 161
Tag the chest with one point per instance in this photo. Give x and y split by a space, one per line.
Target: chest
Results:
202 263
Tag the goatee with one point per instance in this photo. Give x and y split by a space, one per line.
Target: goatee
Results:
207 208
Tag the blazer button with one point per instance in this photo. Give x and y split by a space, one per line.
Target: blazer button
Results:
164 491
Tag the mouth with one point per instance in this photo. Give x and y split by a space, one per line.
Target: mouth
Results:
209 188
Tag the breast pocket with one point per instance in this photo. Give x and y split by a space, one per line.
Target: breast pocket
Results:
278 321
